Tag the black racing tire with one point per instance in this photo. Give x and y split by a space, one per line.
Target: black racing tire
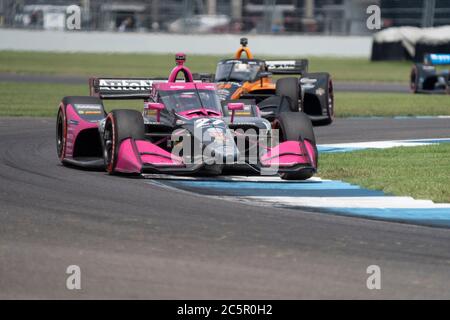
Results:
61 120
290 88
414 79
120 125
423 77
292 125
326 83
299 176
61 133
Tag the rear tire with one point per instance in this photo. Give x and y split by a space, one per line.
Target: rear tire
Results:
414 79
290 88
61 133
120 125
61 120
326 83
292 125
423 77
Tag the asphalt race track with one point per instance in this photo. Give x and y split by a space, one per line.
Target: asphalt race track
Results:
133 239
377 129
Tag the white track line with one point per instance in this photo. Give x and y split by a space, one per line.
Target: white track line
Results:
382 202
385 144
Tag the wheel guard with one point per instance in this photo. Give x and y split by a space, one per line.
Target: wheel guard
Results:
136 156
289 155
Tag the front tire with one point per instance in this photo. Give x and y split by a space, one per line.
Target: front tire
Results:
292 126
290 88
120 125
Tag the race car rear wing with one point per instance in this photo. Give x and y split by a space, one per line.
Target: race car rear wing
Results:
287 66
123 88
437 59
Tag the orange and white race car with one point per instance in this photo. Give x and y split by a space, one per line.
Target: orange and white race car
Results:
248 78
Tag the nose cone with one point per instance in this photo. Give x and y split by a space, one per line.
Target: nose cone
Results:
229 154
218 153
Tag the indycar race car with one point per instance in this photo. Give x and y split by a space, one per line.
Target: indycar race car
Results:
249 78
425 78
180 116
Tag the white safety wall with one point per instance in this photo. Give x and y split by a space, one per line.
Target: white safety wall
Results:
280 45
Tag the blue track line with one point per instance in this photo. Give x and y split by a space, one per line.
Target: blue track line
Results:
439 217
276 189
422 216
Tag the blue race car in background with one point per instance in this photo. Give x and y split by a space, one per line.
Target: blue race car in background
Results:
426 78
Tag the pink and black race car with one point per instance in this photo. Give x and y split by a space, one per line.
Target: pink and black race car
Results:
183 129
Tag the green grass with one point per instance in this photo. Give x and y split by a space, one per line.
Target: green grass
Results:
87 64
151 65
390 104
420 172
41 99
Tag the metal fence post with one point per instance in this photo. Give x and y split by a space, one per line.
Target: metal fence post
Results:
429 8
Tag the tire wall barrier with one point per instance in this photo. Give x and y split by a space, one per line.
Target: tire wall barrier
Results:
409 43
